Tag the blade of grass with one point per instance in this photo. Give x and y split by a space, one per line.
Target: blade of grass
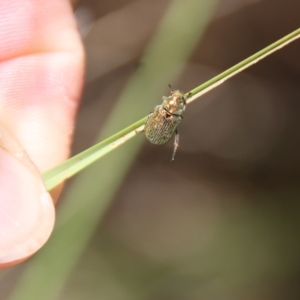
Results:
246 63
79 162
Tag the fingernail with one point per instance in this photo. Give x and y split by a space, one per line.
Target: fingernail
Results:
26 209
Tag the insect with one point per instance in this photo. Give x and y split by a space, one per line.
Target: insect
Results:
162 123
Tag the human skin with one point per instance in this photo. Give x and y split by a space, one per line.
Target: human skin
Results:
41 73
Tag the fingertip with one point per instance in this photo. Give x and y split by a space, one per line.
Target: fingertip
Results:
26 211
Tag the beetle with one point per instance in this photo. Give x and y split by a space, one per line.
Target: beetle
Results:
162 123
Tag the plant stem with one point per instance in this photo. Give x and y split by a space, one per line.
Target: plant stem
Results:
80 161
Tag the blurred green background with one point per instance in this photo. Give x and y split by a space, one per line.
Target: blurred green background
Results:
221 222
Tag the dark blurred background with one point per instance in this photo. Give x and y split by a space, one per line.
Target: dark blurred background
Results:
221 222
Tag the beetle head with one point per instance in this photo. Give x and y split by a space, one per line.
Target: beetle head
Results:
175 103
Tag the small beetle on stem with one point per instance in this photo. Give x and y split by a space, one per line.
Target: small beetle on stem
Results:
162 123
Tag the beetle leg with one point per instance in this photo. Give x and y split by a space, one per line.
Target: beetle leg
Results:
176 144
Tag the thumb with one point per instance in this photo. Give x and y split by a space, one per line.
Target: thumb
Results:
26 209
